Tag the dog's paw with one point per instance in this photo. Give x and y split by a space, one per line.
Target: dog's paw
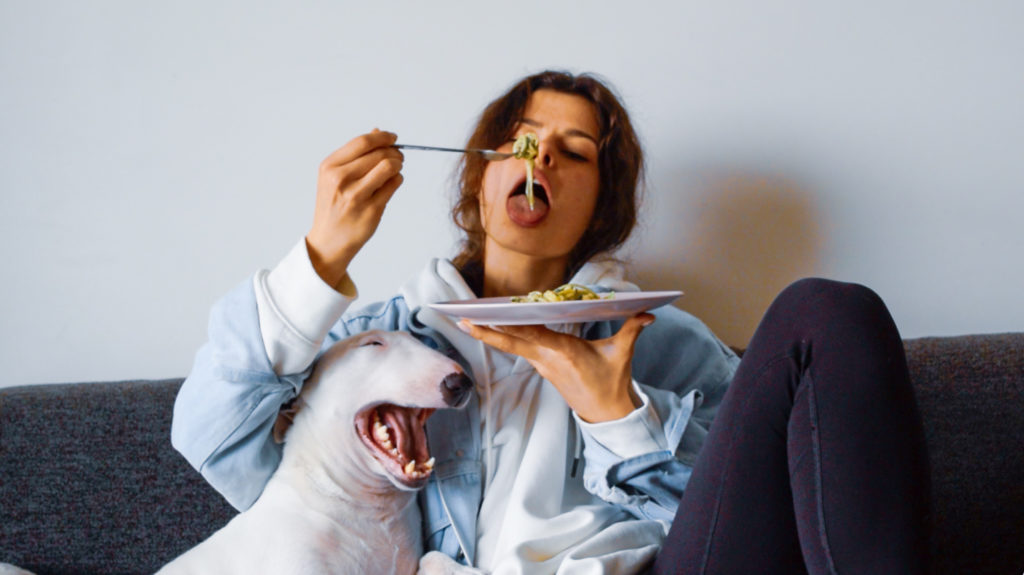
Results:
437 563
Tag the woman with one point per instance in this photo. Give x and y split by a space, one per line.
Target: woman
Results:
798 431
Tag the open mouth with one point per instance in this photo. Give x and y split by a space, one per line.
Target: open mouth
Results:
540 193
396 437
518 206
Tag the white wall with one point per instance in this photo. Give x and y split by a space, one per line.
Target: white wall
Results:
154 154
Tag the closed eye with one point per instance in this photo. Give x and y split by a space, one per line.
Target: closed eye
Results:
371 342
575 156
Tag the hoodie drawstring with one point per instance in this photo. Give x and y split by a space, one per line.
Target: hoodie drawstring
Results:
579 445
488 417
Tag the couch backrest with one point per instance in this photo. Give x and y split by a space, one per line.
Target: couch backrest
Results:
89 482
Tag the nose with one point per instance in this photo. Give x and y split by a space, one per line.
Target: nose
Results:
544 156
455 388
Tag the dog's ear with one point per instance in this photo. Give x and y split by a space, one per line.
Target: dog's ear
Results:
285 417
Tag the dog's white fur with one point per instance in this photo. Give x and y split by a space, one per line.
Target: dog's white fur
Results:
331 506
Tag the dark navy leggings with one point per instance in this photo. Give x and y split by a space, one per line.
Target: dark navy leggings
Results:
816 461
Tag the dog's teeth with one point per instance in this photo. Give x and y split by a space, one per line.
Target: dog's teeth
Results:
386 444
429 464
394 451
380 430
410 467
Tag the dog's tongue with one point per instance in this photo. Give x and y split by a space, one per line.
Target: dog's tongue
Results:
408 434
519 211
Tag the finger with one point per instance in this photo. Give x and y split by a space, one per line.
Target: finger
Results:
347 177
362 165
544 338
360 146
529 332
371 183
383 195
501 340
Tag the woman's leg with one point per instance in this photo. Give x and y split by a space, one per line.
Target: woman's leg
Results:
816 460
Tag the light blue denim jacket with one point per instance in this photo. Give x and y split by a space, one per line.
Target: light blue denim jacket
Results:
225 411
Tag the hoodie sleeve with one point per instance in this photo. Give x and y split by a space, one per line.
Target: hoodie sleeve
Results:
638 433
296 310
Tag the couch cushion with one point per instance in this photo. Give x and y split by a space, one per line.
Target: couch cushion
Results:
89 482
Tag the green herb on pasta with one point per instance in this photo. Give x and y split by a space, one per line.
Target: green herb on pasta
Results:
525 148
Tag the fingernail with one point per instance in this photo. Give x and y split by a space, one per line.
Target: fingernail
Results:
463 325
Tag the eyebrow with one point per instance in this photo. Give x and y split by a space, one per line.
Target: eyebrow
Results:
569 132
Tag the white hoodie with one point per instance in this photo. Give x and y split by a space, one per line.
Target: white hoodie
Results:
535 517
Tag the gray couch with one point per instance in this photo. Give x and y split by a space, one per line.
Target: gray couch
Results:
89 482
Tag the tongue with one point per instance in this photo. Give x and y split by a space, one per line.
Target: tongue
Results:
407 433
519 210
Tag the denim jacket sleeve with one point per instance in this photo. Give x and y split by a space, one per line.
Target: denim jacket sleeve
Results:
225 411
264 336
226 408
683 370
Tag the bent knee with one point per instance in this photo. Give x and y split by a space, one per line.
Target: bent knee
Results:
834 302
832 292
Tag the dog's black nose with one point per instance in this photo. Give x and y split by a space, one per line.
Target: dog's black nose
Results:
455 388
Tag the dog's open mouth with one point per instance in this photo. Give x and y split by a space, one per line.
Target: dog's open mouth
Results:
396 437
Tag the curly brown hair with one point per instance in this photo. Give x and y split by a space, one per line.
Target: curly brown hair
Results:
620 162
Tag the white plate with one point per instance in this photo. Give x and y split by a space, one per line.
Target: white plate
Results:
501 311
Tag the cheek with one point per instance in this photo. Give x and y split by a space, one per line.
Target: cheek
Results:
579 212
487 185
585 193
490 192
584 208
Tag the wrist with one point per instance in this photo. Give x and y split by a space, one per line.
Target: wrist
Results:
332 267
611 410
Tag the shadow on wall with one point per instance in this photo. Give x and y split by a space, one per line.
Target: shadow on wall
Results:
749 237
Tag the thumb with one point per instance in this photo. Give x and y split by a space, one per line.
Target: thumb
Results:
631 329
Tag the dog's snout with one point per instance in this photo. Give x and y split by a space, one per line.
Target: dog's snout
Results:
455 388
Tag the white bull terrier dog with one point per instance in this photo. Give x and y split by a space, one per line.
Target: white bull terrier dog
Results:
343 499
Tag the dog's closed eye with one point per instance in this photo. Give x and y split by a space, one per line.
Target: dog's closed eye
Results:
371 341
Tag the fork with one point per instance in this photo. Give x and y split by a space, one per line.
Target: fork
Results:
487 154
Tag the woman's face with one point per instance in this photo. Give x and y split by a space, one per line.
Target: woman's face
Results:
566 182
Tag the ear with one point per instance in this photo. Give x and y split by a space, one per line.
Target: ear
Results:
284 420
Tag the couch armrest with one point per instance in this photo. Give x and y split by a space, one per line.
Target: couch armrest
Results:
971 393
